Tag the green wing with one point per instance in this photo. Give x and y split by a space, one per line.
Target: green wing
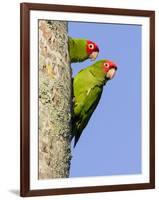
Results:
84 109
77 49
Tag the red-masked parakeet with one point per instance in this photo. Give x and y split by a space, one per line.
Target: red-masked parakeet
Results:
87 90
82 49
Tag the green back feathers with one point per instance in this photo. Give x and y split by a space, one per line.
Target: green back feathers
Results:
97 72
87 78
77 49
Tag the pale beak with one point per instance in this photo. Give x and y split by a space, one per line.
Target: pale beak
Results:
111 73
93 55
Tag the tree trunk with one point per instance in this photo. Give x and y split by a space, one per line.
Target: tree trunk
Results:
54 100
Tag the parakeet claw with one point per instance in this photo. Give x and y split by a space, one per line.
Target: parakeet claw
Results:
93 55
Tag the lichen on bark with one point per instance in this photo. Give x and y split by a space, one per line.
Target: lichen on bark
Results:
54 100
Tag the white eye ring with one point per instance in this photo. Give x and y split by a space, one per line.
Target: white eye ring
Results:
91 46
106 65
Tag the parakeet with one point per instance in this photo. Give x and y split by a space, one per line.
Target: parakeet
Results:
87 90
82 49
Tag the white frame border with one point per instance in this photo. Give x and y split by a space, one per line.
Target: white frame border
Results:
85 181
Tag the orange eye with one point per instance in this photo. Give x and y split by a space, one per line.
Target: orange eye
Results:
91 46
106 65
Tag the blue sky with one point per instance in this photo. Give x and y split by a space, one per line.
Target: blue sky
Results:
111 142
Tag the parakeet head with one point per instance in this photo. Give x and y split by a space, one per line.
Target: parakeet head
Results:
92 49
109 68
104 69
81 49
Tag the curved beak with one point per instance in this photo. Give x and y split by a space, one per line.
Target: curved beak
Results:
93 55
111 73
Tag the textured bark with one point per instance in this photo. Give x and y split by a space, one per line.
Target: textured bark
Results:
54 100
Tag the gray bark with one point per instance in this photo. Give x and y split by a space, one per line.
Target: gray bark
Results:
54 100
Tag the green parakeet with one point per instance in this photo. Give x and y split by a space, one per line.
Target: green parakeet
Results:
87 90
82 49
